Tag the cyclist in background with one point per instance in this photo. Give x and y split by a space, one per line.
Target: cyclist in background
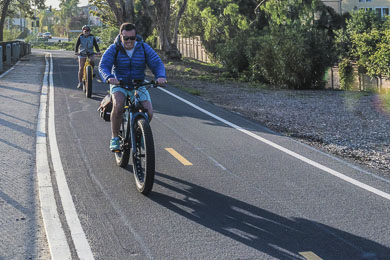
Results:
86 41
126 60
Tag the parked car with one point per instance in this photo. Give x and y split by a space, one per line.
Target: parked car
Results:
47 35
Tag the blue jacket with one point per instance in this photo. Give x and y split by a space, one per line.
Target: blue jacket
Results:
127 69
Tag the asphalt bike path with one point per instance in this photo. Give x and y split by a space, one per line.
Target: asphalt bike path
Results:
225 187
241 197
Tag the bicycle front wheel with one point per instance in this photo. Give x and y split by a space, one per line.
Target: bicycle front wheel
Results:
88 87
122 157
143 157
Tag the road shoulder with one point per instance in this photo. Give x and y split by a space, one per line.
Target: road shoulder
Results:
22 234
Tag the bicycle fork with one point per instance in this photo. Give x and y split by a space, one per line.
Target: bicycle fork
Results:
133 117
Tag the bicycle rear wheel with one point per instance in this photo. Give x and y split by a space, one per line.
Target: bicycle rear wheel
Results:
143 157
122 157
88 87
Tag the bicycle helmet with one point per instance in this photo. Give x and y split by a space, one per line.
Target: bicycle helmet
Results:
85 27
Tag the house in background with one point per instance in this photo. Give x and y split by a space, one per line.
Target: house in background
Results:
19 23
381 7
92 20
335 4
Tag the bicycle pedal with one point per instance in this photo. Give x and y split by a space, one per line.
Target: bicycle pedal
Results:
116 151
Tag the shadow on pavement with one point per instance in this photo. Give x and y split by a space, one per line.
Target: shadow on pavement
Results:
272 234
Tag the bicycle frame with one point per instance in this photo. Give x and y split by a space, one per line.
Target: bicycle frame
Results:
87 63
134 113
87 75
136 139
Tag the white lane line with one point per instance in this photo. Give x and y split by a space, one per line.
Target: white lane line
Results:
217 163
285 150
9 70
78 236
58 246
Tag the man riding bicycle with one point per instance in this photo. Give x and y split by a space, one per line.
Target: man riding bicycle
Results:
86 41
126 60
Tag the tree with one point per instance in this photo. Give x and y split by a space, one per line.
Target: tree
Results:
368 41
104 12
146 15
162 13
215 21
123 10
281 42
181 7
24 6
296 48
365 41
67 9
5 5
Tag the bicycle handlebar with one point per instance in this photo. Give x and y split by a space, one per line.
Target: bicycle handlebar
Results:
88 54
138 84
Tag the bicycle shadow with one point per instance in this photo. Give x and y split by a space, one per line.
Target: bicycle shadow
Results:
262 230
97 96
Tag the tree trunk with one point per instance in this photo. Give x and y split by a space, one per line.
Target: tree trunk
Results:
2 19
147 7
162 8
129 11
177 21
123 10
163 26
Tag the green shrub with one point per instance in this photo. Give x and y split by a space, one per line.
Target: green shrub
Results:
107 36
152 39
346 74
292 58
385 98
232 55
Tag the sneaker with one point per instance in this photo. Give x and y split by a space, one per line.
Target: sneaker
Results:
114 145
80 85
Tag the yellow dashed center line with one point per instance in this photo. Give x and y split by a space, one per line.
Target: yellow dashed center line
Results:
310 255
175 154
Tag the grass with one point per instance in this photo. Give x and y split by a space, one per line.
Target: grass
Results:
189 90
386 101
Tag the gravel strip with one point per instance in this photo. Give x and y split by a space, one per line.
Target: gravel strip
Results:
352 125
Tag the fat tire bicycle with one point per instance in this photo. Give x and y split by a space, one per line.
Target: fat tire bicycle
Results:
136 139
87 76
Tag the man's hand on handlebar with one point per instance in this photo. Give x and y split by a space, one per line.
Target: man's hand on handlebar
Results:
161 81
113 81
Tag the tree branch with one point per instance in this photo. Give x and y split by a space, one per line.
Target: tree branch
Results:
258 6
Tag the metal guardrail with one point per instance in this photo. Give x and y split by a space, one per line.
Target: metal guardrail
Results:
12 51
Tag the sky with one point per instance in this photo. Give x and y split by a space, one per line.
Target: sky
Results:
55 3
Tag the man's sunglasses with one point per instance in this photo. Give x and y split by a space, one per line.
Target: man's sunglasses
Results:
86 30
126 38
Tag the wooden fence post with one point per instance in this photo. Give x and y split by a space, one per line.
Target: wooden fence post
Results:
1 58
331 76
193 48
